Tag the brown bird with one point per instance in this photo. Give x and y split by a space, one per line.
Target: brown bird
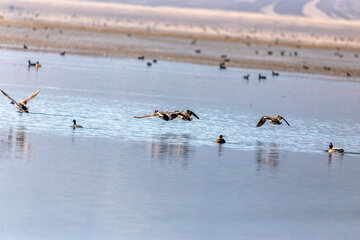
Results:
274 120
21 105
186 115
167 116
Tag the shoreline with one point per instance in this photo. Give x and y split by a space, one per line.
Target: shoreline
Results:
167 38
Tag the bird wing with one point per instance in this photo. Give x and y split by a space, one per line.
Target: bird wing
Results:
285 121
15 102
150 115
195 115
26 100
262 121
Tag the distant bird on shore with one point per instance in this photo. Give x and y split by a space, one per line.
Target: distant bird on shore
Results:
76 125
31 64
348 74
148 64
21 105
141 57
63 53
261 76
356 55
327 68
167 116
25 47
270 53
305 67
37 65
193 41
275 73
282 53
274 120
332 149
295 54
154 60
246 76
220 139
198 51
222 65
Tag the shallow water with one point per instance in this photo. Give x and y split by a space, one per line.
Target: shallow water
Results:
121 177
103 95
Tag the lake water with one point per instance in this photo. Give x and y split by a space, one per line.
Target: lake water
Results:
126 178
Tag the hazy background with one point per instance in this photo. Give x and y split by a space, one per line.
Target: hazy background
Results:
343 9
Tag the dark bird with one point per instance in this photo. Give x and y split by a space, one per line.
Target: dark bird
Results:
148 64
75 125
31 64
193 41
275 73
270 53
261 77
246 77
154 60
274 120
21 105
222 65
62 53
25 47
141 57
348 74
220 139
305 67
198 51
327 68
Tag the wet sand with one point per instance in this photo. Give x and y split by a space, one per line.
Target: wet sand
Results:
249 40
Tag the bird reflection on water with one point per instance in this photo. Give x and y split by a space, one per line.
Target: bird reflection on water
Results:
16 144
169 147
267 155
335 157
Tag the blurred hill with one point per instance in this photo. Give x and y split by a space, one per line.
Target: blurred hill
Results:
335 9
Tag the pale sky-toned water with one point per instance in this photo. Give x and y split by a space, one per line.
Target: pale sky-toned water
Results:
126 178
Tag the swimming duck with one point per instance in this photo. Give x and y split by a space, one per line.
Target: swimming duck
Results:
186 115
21 105
167 116
261 77
332 149
220 139
31 64
275 73
274 120
222 65
75 125
37 65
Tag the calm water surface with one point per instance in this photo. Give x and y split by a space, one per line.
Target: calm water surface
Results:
126 178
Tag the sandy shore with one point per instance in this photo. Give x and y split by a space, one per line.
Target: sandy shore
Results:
249 40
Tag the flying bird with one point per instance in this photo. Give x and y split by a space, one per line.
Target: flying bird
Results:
274 120
21 105
167 116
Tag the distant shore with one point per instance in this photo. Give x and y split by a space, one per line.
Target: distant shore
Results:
116 30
